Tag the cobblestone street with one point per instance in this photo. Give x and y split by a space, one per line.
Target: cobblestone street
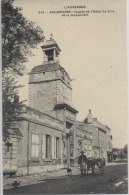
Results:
114 181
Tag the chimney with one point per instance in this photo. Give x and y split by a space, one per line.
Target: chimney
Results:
89 117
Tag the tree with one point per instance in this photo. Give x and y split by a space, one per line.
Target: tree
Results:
115 155
126 149
19 37
121 154
11 104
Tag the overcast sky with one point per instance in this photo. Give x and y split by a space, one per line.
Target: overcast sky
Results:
93 53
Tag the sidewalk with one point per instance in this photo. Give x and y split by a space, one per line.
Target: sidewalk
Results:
116 163
39 178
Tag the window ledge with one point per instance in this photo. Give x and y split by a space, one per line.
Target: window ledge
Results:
48 160
35 160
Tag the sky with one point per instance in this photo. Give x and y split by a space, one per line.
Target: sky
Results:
93 53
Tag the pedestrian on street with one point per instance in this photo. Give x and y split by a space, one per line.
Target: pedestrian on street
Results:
82 161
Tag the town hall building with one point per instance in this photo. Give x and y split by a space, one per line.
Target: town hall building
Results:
46 135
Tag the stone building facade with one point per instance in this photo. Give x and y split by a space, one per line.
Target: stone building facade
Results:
11 150
83 140
47 125
41 144
50 91
51 138
109 145
102 138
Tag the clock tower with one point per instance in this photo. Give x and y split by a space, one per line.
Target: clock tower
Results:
49 83
50 91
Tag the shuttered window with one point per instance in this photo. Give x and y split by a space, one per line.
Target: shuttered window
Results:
48 146
90 149
35 146
57 147
43 146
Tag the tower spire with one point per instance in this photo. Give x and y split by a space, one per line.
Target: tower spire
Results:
51 50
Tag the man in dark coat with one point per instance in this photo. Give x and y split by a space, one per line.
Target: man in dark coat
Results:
82 161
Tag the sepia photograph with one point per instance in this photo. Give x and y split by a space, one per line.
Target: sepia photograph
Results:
64 97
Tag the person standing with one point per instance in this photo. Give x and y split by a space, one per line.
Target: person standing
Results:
82 161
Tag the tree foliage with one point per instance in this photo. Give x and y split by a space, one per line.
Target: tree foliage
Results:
126 149
11 104
19 37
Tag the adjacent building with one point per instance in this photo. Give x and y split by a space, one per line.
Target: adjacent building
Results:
102 138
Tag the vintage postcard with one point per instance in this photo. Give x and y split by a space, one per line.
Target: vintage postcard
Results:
64 97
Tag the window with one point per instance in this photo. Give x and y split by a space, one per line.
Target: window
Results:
43 146
90 153
80 145
57 147
78 152
95 154
85 147
90 149
109 146
48 146
49 54
35 146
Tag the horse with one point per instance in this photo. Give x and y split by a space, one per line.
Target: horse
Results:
99 162
91 164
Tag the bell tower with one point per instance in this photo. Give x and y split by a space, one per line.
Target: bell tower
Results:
49 84
50 91
51 50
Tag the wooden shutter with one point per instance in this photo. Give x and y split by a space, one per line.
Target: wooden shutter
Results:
43 146
50 149
53 147
60 148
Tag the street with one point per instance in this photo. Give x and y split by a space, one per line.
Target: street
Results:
113 181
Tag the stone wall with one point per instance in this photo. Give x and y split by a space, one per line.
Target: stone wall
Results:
64 92
45 96
25 160
10 156
83 142
94 132
48 88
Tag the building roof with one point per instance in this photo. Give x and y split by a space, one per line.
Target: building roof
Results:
95 123
83 126
50 43
99 125
45 67
80 123
49 66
